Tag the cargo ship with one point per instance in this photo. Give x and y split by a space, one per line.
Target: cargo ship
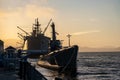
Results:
52 55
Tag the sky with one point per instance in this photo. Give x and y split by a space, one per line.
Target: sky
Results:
93 24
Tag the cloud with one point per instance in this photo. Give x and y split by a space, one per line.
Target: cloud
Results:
93 20
86 32
29 11
12 4
24 8
39 1
33 11
22 16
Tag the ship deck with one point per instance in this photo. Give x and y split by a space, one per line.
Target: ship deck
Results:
48 74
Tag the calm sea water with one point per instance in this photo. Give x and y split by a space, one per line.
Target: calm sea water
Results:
99 66
92 66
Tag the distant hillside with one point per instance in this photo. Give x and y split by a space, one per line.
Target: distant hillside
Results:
13 42
88 49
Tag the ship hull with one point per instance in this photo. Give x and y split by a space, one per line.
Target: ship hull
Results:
63 60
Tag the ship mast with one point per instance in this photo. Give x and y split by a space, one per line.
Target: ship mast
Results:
69 39
36 28
53 32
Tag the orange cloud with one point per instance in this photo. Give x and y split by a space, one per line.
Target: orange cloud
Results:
86 32
22 16
30 11
36 11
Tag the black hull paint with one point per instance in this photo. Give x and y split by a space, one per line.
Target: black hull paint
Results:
65 59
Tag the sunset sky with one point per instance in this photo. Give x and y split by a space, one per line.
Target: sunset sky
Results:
93 24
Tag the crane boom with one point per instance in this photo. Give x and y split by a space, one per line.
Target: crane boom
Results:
47 26
21 35
23 30
24 39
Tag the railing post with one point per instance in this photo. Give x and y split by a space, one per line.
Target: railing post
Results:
20 69
28 72
24 72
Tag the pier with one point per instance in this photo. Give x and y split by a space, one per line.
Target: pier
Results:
28 71
8 75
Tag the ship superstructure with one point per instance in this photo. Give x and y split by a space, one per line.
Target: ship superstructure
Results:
37 41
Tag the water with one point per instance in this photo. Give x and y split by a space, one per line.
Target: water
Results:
99 66
92 66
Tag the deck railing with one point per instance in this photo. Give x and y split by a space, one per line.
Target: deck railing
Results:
28 72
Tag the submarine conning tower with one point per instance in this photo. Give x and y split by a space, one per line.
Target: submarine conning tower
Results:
37 41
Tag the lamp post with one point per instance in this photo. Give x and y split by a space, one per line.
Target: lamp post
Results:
69 39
